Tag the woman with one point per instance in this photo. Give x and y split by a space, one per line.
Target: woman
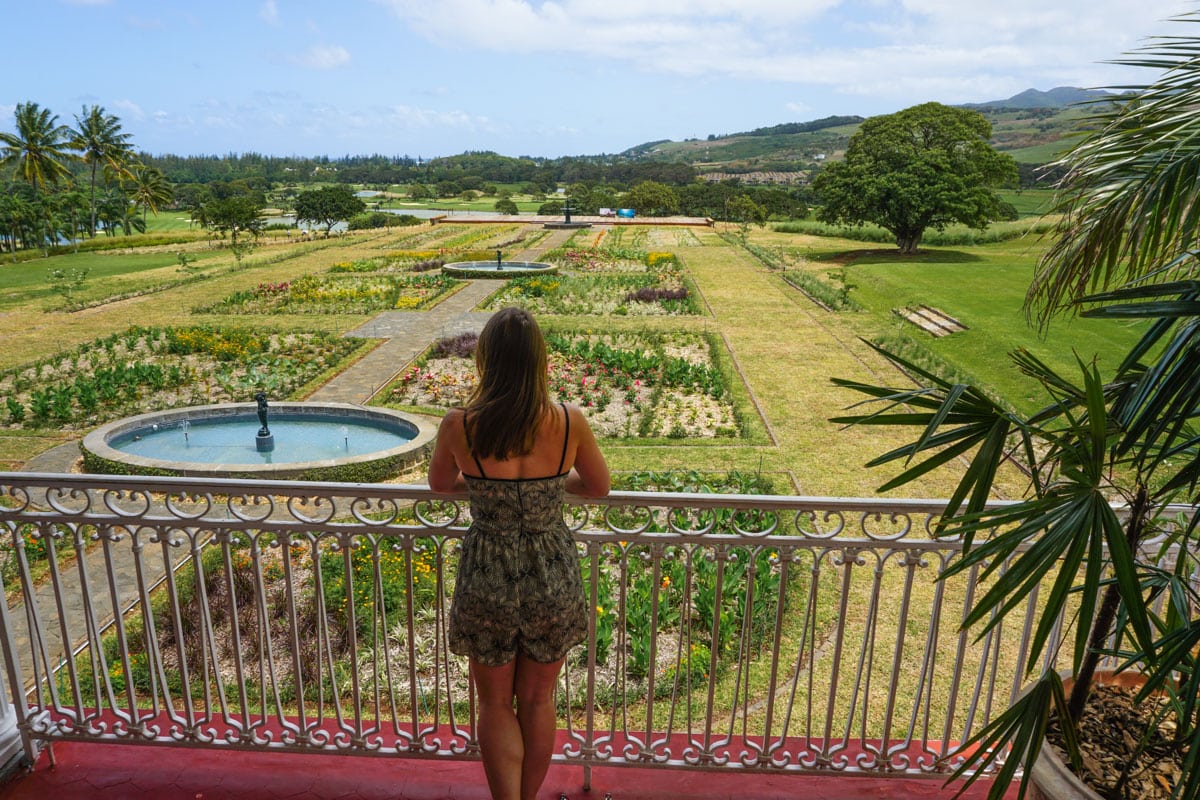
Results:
519 604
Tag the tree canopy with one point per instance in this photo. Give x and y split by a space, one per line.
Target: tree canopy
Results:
924 167
652 199
328 206
233 215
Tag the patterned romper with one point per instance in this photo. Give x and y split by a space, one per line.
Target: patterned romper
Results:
519 586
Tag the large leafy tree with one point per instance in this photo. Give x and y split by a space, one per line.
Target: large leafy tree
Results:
328 206
652 199
233 215
1126 248
924 167
98 138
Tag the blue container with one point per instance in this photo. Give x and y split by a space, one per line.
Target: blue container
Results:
628 213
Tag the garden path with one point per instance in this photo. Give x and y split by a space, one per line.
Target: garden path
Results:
408 333
786 348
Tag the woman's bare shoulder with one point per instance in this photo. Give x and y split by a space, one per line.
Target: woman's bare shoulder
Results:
453 418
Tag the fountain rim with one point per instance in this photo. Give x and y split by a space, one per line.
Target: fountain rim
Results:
487 269
97 441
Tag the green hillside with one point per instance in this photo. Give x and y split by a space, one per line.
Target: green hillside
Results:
1032 135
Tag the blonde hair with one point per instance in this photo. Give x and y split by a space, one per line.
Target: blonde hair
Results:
510 401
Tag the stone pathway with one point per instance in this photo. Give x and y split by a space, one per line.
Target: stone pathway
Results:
408 333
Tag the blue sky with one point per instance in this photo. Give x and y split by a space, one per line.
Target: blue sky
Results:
427 78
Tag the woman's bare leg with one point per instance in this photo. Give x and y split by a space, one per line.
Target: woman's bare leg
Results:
535 684
501 742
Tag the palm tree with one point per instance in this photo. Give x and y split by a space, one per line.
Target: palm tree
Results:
112 209
99 139
149 189
1126 248
37 150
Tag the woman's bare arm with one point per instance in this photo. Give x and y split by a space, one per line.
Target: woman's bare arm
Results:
445 477
589 476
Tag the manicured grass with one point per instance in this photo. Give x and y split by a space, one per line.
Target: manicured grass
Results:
29 280
1029 202
984 288
170 220
1042 153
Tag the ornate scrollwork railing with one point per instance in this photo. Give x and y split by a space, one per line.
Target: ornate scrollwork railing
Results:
784 634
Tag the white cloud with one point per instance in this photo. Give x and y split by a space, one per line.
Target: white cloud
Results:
947 47
323 57
269 12
130 109
408 117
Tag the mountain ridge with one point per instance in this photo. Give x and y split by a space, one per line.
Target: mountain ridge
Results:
1034 126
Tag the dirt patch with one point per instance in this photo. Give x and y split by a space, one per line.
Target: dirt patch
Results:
1109 732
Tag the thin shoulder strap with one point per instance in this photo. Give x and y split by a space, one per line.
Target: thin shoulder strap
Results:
471 447
566 438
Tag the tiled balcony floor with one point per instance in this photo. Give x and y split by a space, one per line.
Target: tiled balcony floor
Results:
127 772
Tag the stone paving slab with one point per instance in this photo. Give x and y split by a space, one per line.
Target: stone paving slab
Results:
408 333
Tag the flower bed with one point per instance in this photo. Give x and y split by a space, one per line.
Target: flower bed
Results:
659 288
147 369
592 260
337 294
646 385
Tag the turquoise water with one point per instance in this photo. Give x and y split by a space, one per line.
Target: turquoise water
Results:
230 440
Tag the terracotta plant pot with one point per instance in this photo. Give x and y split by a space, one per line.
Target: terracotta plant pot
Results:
1051 779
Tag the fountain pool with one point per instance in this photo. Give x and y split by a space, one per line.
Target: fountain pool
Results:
498 269
312 441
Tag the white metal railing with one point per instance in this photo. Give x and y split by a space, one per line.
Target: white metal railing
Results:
786 634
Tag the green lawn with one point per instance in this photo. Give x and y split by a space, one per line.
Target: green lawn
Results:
28 281
170 221
1042 153
1029 202
984 288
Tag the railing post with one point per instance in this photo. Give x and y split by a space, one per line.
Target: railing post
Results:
15 750
11 752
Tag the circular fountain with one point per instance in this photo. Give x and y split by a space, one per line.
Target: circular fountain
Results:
498 269
307 441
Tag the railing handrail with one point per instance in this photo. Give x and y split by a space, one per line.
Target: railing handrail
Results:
798 634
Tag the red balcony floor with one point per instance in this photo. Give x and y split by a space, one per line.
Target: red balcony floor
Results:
127 772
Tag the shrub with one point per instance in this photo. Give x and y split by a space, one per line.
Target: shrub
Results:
654 294
460 346
381 219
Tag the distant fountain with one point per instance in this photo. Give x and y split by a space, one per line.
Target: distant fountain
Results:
498 268
566 224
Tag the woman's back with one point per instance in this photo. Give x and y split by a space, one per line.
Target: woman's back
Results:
552 453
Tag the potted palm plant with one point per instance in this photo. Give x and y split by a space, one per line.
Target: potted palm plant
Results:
1108 454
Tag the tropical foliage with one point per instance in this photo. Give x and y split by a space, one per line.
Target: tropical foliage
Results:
1125 249
43 202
